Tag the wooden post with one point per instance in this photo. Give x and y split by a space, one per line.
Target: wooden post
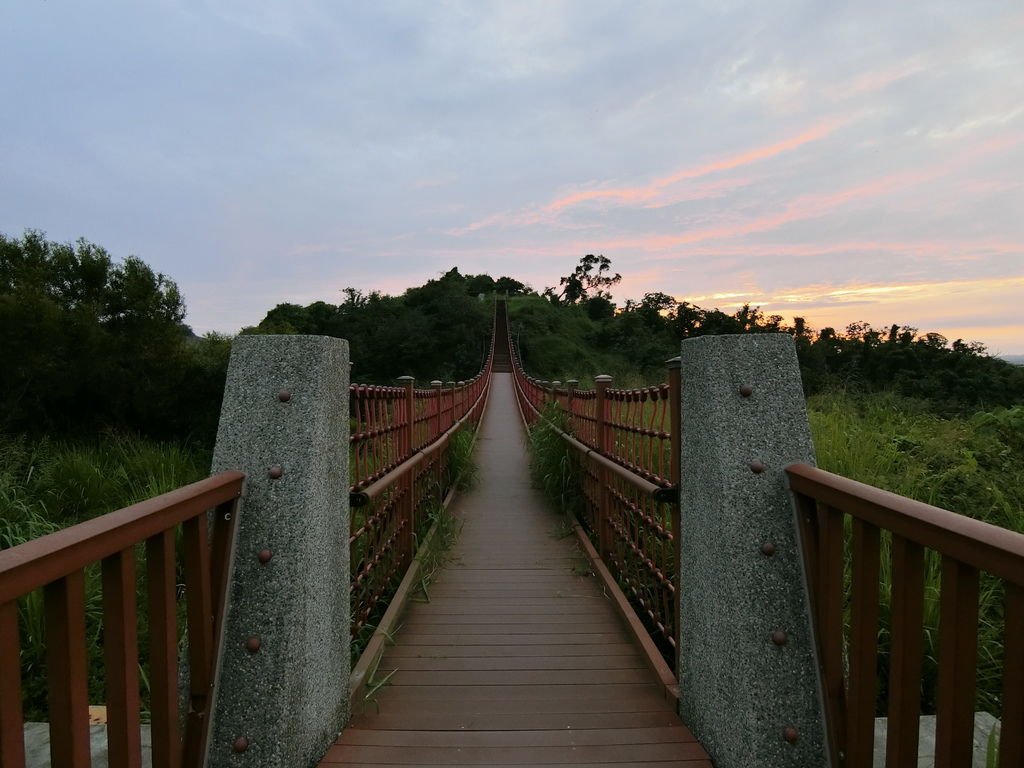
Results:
571 385
407 444
450 421
675 430
602 435
438 387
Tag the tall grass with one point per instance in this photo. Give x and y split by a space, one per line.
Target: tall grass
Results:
554 466
972 466
46 485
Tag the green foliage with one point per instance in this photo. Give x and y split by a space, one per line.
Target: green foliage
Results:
970 465
588 282
461 466
554 466
67 482
47 485
90 344
440 330
561 340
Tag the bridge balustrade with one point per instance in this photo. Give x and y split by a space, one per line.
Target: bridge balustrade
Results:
399 473
850 531
629 465
627 446
56 564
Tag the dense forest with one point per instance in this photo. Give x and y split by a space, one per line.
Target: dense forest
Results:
91 344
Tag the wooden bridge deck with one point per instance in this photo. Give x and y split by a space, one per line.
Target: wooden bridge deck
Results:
517 659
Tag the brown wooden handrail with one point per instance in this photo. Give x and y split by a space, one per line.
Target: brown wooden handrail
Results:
848 660
56 563
974 542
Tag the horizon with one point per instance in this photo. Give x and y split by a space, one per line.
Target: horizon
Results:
840 164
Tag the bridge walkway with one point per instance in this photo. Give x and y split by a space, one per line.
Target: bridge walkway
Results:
518 658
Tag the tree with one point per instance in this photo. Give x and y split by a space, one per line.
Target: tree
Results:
89 343
591 278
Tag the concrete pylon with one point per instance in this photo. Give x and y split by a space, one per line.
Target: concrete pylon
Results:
748 672
283 674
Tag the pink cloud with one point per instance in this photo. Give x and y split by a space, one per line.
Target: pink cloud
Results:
642 194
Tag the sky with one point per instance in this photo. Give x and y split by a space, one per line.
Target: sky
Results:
838 161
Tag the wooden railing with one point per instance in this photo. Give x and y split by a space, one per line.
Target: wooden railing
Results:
839 516
56 564
399 470
629 459
399 461
628 442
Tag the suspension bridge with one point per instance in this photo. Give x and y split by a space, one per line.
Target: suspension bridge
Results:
712 600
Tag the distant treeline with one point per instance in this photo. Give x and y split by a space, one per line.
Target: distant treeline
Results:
579 340
91 345
440 330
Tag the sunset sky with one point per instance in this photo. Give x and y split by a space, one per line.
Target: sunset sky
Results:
840 161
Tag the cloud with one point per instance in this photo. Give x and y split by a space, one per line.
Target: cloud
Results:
653 190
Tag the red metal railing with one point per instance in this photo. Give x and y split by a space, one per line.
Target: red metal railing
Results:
846 529
56 564
629 470
400 474
629 445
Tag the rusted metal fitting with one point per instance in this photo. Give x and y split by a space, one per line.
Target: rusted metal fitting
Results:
284 395
264 556
767 549
746 390
252 644
757 466
241 744
790 734
779 637
275 472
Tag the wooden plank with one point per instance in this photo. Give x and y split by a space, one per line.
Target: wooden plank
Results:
500 611
163 649
958 661
521 738
519 677
68 699
528 721
540 626
562 703
685 763
631 754
1011 743
478 638
470 693
410 646
485 663
907 652
121 657
860 734
199 612
12 742
829 596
